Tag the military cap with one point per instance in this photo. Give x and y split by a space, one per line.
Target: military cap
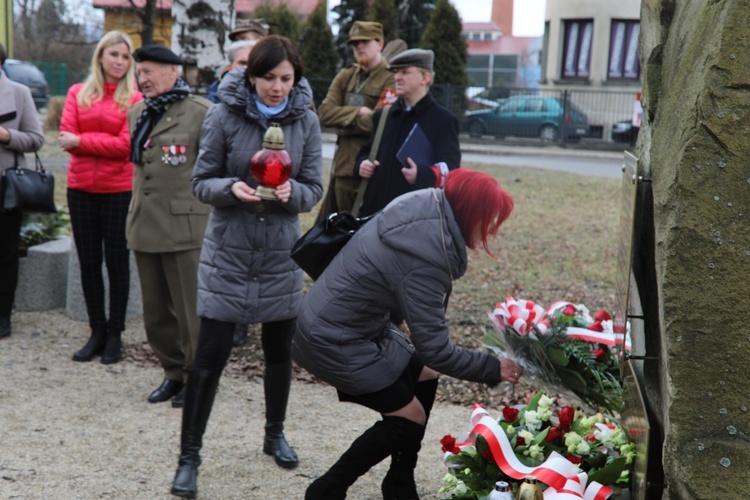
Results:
419 58
157 53
258 26
365 30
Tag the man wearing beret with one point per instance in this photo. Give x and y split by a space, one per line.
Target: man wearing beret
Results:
351 100
415 107
166 222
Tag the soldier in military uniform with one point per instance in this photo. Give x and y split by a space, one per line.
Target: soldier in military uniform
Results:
348 106
166 222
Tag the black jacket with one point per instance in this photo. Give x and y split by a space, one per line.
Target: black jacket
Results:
387 182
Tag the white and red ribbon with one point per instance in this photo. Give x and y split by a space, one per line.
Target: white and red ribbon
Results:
557 472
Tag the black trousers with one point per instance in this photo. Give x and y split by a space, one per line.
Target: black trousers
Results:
98 221
215 343
10 229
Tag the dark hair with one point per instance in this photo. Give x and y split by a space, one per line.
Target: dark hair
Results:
269 53
479 204
3 54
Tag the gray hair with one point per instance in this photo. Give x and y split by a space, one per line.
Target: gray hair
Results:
239 44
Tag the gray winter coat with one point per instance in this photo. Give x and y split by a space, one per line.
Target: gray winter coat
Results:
245 273
403 260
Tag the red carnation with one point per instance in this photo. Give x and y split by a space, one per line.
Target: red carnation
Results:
553 434
566 417
602 315
449 444
510 414
487 455
599 354
570 310
596 326
520 441
591 438
574 459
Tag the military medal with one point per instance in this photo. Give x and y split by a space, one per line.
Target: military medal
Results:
165 156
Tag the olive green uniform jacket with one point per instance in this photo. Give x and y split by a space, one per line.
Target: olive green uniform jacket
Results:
164 215
340 110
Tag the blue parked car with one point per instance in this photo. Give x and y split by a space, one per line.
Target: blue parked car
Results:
27 74
530 116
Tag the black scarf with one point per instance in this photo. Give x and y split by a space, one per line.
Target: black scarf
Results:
150 116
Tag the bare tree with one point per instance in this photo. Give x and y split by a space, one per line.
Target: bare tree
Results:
199 34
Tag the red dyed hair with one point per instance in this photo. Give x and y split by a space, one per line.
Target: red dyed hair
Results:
479 203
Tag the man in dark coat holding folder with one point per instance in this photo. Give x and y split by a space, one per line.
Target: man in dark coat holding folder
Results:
418 130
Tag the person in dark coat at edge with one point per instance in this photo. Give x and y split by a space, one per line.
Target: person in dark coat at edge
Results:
389 178
246 274
403 260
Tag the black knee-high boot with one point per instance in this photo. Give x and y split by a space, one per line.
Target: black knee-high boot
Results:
199 399
276 384
368 450
399 483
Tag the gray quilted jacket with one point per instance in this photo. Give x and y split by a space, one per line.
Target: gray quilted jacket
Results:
403 260
245 273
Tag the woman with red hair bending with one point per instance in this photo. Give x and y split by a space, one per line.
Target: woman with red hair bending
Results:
402 263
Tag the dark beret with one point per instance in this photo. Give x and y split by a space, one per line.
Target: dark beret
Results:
365 30
419 58
157 53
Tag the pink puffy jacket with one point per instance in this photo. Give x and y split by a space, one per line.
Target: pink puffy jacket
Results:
101 163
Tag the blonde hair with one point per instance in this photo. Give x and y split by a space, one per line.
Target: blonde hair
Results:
93 87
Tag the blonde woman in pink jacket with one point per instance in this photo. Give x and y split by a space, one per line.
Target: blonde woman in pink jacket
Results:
94 130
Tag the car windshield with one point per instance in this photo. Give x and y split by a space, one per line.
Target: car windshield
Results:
22 72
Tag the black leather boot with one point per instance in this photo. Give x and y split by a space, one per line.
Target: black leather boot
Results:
112 352
369 449
276 383
4 326
199 399
399 483
240 335
94 346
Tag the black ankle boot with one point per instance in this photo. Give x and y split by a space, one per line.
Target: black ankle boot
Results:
112 352
94 346
369 449
276 384
199 399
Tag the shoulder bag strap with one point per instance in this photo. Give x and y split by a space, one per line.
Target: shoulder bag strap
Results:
371 157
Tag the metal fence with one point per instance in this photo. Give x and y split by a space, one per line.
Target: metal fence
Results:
580 115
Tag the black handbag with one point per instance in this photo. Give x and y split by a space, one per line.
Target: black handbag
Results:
28 190
318 246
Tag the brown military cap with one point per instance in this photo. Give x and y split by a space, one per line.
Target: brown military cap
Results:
419 58
365 30
258 26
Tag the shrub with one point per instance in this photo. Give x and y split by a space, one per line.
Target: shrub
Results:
39 228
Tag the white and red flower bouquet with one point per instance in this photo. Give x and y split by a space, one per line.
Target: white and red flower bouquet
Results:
562 350
573 455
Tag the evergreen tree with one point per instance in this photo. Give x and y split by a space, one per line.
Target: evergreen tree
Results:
443 36
413 16
385 13
348 11
281 20
317 50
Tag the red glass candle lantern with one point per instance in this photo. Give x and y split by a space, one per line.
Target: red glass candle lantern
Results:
272 165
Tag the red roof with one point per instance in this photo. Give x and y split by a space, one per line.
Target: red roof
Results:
302 7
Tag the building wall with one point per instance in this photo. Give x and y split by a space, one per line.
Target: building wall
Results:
502 15
127 21
602 13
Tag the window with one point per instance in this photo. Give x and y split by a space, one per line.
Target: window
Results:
487 36
577 49
623 51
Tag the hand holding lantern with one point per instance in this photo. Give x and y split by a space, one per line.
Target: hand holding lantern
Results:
272 165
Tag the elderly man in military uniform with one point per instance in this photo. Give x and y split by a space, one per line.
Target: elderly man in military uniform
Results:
249 29
166 222
349 105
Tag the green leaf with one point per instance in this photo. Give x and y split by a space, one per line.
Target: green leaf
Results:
610 473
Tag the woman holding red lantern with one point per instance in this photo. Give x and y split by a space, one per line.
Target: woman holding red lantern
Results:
245 273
